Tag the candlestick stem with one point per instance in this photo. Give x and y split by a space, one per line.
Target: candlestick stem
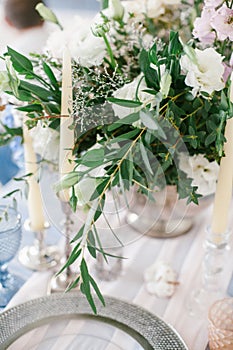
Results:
216 250
60 282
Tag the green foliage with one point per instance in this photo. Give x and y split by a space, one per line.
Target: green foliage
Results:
142 147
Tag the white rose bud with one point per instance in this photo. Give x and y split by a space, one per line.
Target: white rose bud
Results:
165 83
47 14
4 81
116 8
12 76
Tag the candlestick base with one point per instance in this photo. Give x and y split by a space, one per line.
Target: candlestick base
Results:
213 267
36 260
27 225
39 257
60 283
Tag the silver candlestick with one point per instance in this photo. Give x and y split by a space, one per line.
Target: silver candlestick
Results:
60 282
39 256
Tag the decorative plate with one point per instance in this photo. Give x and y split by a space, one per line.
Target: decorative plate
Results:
65 321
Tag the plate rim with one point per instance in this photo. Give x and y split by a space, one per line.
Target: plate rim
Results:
146 320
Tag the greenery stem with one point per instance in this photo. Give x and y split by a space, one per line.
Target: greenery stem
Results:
109 49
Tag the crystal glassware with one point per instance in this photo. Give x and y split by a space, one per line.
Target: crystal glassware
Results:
10 239
216 250
220 328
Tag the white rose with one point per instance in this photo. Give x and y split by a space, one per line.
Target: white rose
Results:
86 48
203 172
89 51
128 92
206 74
152 8
73 33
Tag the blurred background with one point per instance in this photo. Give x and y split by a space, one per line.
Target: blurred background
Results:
87 5
22 31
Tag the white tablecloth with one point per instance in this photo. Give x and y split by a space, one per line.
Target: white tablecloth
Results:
184 254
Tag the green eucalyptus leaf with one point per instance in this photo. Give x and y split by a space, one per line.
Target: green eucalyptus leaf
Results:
100 188
73 200
153 54
48 71
37 91
91 244
35 107
86 284
99 209
148 120
74 284
98 293
78 235
93 158
145 157
72 258
129 119
127 136
210 138
125 103
20 62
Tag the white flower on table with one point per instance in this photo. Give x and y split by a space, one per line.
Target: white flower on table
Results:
160 279
204 72
203 172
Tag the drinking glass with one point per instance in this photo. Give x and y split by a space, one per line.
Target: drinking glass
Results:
221 325
10 238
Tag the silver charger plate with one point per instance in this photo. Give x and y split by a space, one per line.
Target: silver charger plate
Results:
65 321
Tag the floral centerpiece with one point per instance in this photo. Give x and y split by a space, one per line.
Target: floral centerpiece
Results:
150 104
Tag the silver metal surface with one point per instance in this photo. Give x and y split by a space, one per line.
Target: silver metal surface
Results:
147 329
165 217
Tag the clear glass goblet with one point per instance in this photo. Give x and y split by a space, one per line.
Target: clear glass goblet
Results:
10 239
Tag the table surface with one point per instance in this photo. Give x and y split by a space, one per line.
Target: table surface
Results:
183 253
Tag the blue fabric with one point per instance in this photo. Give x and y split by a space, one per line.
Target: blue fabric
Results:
8 169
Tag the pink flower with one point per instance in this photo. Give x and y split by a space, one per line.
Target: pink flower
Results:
222 22
212 3
227 72
202 28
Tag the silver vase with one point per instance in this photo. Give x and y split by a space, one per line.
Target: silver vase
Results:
166 216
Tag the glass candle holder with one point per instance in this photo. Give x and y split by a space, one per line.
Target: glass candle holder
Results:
216 251
220 327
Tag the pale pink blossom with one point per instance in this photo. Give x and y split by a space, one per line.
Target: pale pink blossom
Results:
222 22
212 3
202 27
